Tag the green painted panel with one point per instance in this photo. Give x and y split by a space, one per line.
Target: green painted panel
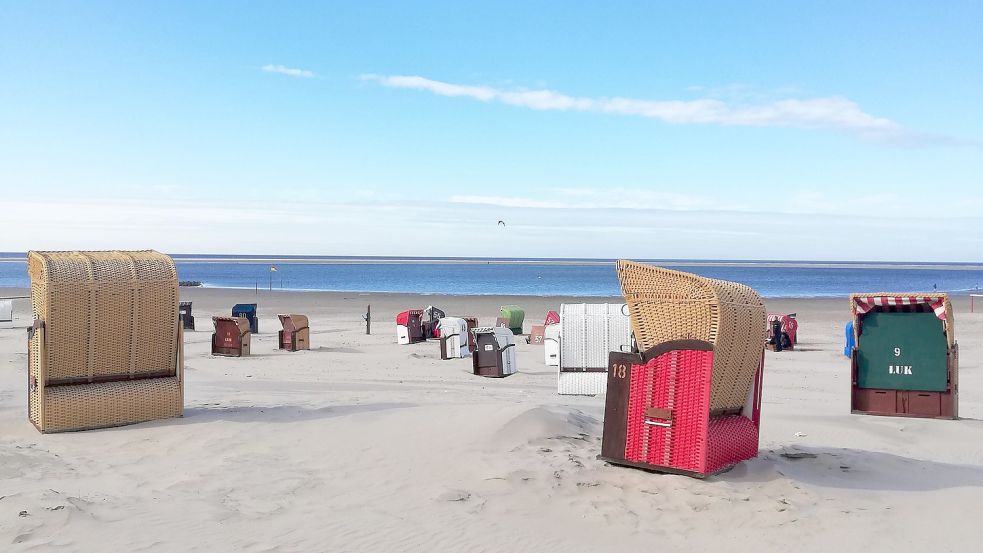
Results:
902 351
515 315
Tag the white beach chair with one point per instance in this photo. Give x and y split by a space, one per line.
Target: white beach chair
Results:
551 346
588 332
6 313
453 338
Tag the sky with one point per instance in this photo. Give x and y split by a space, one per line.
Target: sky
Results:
685 130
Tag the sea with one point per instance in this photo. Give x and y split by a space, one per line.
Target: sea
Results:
542 277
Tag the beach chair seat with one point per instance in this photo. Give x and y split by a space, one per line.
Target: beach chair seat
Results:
409 327
494 355
249 312
904 358
106 347
588 332
296 334
232 336
689 402
453 338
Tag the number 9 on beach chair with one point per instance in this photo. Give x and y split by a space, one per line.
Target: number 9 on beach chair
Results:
689 403
106 346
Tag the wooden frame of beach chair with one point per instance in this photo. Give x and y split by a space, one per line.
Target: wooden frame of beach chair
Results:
494 355
588 332
232 336
106 348
892 383
296 333
690 402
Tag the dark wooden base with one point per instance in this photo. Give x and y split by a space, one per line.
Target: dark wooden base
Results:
663 470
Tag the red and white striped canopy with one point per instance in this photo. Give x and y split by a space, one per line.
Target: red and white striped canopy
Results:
863 304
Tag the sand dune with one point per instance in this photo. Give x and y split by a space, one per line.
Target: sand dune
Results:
363 445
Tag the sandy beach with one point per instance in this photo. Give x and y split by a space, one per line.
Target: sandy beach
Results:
364 445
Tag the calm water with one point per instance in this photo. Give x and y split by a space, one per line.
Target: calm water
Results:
546 279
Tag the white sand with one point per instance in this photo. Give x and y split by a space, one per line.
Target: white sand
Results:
363 445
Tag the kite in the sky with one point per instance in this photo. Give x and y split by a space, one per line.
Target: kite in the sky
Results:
502 223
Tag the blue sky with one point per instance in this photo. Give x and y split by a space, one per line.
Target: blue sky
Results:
833 130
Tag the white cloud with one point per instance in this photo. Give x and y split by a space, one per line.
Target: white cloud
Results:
835 112
289 71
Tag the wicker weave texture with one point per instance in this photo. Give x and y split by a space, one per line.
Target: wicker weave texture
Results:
582 383
666 305
589 331
89 406
106 314
688 440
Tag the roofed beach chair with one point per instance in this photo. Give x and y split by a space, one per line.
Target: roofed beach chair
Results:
232 336
187 318
689 403
409 327
551 346
296 334
788 329
106 348
249 311
6 313
905 360
515 316
588 332
453 338
494 355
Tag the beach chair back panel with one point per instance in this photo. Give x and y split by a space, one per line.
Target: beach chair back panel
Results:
666 305
106 314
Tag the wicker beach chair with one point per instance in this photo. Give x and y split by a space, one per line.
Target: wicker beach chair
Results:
588 333
106 348
453 338
551 346
690 402
232 336
296 334
250 313
494 355
187 318
515 316
409 327
904 356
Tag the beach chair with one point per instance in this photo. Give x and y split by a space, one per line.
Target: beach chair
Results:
453 338
6 313
551 345
232 336
552 318
689 403
494 355
787 336
906 360
588 332
432 316
187 319
515 316
409 327
536 335
248 311
296 334
106 347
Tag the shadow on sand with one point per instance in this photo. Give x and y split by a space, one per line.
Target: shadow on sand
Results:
275 414
854 469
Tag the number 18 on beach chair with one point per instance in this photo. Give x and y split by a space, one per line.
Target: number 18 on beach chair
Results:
689 403
106 347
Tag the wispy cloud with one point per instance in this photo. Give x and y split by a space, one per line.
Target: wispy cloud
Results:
289 71
601 198
834 112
